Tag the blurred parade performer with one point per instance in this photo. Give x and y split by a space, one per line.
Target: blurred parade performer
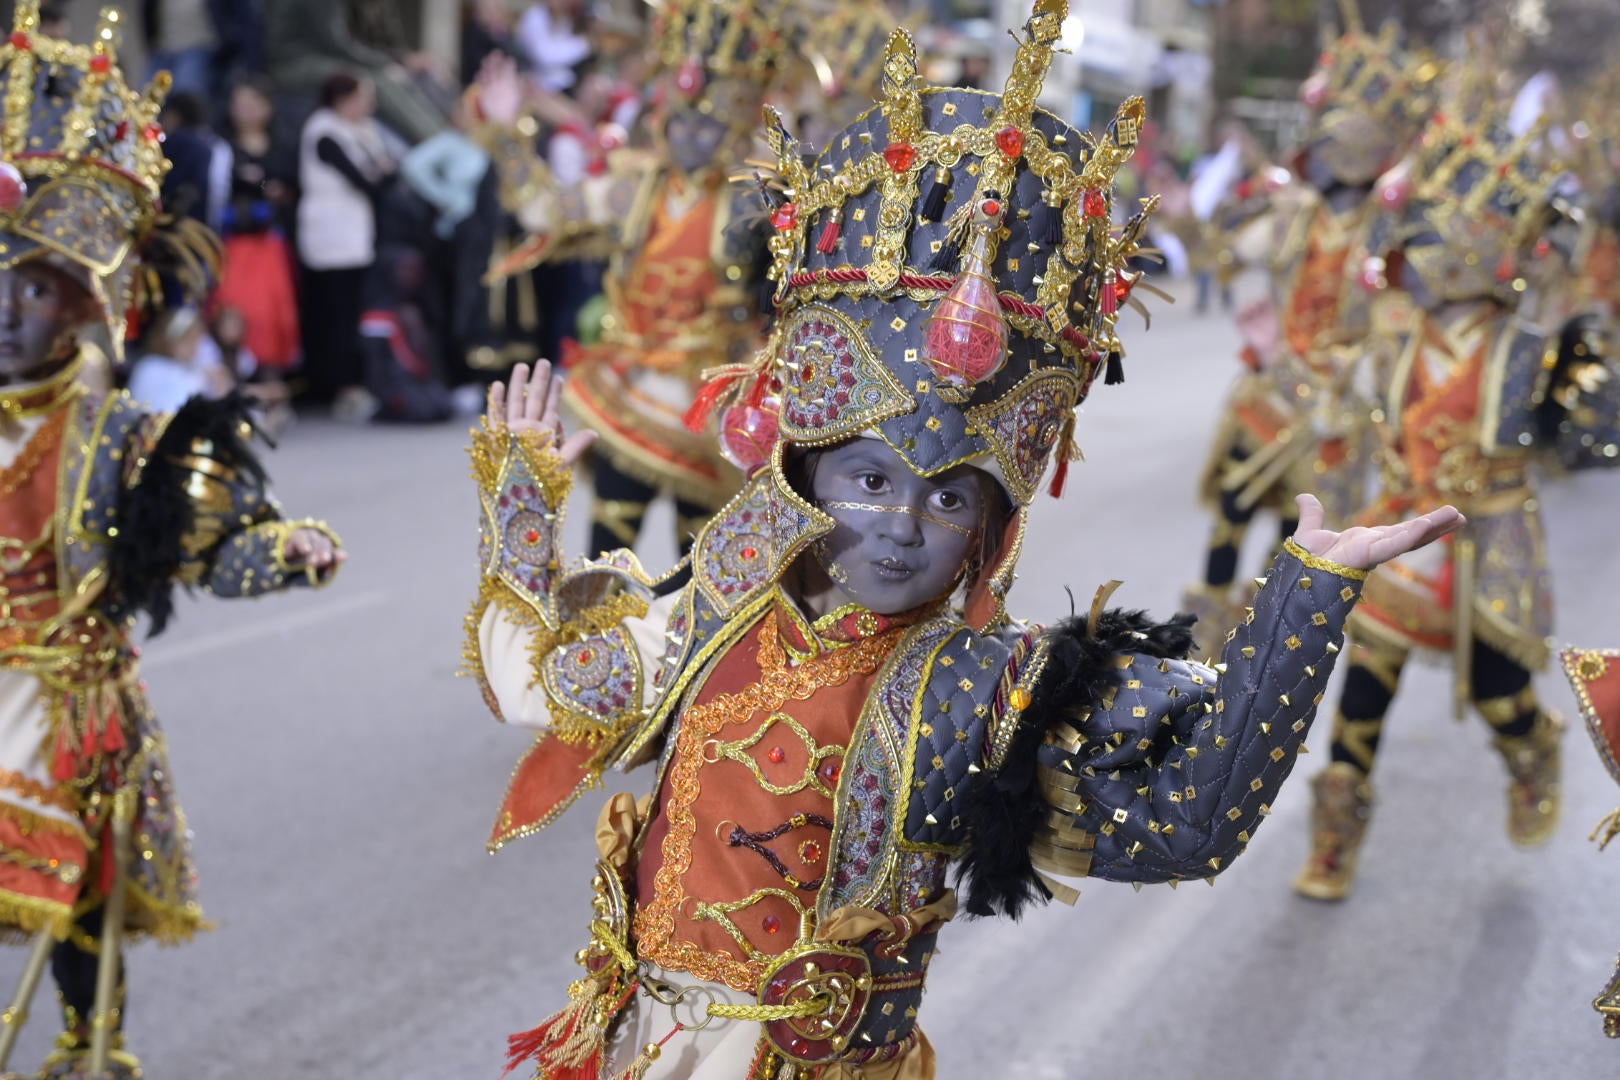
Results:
845 43
104 509
1293 421
1472 264
1594 674
839 704
682 285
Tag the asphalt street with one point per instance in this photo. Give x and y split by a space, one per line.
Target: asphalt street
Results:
341 781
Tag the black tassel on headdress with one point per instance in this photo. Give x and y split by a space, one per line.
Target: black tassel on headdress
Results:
1005 809
933 207
1048 227
1114 373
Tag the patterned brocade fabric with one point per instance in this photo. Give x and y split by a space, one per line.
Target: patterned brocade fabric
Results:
582 656
1170 778
741 847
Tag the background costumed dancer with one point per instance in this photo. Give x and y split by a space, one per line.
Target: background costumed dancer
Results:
104 509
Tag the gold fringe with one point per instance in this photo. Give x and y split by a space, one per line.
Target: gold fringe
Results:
31 914
28 821
1606 830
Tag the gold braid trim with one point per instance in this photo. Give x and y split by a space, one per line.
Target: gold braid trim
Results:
1316 562
58 798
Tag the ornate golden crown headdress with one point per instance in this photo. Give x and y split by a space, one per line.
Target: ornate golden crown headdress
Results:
1372 73
699 40
1070 257
81 158
1474 199
948 274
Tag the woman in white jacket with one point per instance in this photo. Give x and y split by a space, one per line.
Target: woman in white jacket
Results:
344 165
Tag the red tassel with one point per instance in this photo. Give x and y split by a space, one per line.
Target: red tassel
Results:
112 739
1110 298
1060 477
703 406
65 767
828 243
91 746
557 1031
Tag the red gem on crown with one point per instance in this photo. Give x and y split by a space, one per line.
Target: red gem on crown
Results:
901 156
1095 203
786 216
21 41
689 79
101 63
1011 141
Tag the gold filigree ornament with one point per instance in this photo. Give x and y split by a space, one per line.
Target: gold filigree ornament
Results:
82 166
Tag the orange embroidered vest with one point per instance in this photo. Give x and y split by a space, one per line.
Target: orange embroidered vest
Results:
739 842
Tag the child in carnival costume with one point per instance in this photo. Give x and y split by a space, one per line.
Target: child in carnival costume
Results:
839 707
1472 256
103 510
682 283
1294 420
1594 674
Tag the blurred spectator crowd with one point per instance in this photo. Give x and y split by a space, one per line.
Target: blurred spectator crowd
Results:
357 208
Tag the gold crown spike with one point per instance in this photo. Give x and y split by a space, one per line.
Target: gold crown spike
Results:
1350 13
1023 87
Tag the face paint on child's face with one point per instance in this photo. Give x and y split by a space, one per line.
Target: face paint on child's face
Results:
40 308
901 539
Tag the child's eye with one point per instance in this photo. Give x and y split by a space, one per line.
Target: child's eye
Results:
948 500
871 482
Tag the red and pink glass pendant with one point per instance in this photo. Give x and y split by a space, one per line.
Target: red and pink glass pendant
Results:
748 434
966 336
1395 187
1313 92
689 79
13 188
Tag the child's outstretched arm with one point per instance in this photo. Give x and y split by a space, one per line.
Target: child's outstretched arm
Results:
1131 763
196 510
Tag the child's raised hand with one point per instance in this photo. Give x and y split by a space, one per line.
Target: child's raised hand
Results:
1363 548
530 404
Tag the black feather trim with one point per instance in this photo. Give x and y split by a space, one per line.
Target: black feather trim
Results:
1004 810
157 514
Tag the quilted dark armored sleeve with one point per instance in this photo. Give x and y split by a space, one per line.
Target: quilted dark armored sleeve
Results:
1169 773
